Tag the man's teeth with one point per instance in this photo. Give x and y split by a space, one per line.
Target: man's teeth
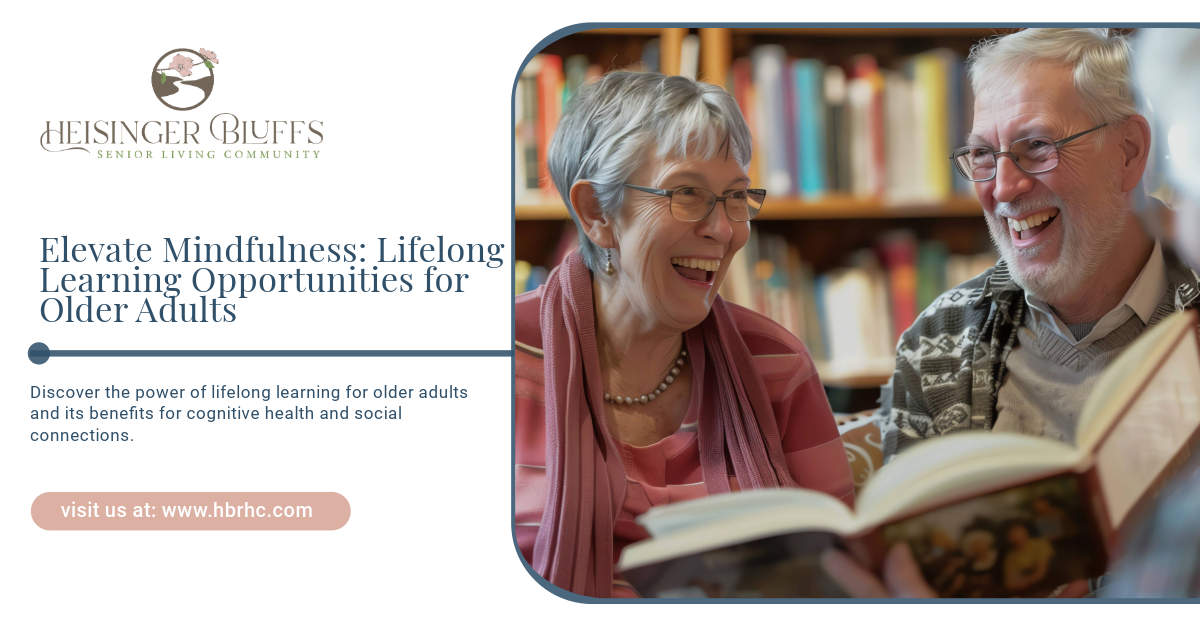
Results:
1032 221
702 264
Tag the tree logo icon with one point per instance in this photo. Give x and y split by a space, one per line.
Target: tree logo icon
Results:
183 78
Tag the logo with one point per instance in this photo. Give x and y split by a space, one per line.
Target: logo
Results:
183 78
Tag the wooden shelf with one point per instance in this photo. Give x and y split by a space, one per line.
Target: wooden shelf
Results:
866 380
549 210
830 207
854 207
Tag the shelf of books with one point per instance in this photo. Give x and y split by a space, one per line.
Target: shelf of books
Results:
849 308
832 206
865 221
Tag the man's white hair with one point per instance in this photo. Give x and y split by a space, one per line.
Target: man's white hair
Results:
611 125
1099 59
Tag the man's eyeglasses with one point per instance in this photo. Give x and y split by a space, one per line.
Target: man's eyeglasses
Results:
691 204
1034 155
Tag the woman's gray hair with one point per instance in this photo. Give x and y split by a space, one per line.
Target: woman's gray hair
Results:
1099 59
611 125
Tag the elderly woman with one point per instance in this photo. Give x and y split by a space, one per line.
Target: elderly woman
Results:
637 386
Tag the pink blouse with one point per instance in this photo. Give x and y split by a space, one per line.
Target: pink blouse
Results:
669 471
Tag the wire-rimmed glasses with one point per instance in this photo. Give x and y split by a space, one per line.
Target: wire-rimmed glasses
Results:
1034 155
693 204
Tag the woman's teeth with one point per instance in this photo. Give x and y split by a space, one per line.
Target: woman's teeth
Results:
1032 221
695 269
691 262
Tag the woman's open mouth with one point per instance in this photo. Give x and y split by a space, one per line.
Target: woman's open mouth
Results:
1024 231
695 269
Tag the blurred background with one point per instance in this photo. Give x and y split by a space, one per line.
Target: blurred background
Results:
865 221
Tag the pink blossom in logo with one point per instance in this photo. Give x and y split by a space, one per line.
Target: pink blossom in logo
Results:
210 55
182 64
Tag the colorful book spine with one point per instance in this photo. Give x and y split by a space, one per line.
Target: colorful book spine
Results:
838 137
898 250
521 276
689 57
861 130
550 93
931 272
929 77
741 85
576 72
768 66
527 128
791 128
808 81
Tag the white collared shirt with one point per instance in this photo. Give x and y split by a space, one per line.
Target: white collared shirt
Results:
1141 300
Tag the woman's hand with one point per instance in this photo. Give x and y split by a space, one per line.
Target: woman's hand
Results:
901 575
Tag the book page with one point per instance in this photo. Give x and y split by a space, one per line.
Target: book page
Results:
1123 379
785 566
957 466
1152 432
673 518
793 512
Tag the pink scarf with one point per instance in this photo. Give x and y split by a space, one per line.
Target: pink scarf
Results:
585 480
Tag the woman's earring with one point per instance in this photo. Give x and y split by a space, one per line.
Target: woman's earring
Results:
608 269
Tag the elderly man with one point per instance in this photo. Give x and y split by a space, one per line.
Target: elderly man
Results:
1056 151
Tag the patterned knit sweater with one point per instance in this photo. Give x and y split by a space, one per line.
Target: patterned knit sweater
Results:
1048 380
951 362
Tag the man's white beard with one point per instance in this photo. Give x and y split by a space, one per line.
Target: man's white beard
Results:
1089 235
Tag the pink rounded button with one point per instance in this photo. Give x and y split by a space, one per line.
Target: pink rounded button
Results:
190 511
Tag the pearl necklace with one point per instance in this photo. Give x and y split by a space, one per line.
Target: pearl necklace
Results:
667 381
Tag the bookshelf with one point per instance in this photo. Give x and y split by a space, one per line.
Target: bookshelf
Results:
832 228
864 39
621 47
830 207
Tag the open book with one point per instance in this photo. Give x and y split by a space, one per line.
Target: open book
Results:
986 514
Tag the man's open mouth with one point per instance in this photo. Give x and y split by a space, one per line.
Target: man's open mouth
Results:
696 269
1032 225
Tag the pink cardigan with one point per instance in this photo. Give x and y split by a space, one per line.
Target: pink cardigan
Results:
669 471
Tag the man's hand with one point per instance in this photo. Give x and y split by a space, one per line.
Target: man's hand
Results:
901 575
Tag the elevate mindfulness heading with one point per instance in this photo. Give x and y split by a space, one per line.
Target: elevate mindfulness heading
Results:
95 297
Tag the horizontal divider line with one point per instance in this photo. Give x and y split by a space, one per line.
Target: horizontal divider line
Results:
39 355
271 353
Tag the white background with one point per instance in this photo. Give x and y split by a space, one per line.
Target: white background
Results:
415 101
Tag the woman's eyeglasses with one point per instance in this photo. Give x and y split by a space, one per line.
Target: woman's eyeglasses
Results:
1034 155
691 204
